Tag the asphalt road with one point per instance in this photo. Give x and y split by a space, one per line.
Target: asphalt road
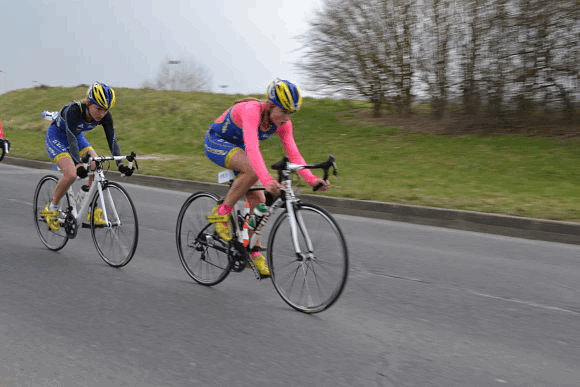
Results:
424 306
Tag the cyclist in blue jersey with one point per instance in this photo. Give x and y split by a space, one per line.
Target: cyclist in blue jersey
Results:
66 143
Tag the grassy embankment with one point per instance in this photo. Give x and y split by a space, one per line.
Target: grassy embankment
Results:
510 174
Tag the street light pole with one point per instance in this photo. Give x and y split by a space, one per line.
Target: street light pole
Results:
172 79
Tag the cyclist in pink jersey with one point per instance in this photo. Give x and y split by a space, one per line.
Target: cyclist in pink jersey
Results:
232 142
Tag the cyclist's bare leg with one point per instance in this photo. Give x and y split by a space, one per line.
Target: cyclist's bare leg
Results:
255 198
245 180
69 171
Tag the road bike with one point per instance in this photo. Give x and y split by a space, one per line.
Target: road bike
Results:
113 223
306 250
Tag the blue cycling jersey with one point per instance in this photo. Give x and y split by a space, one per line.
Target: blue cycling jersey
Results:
67 128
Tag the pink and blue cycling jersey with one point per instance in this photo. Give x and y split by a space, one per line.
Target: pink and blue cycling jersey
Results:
240 126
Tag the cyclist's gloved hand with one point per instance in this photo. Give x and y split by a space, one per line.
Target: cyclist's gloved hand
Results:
125 170
320 185
82 172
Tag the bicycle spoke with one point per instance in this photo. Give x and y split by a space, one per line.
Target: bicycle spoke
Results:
52 239
204 257
116 241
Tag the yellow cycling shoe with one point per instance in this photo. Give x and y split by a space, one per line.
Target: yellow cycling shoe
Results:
99 220
51 218
261 265
222 224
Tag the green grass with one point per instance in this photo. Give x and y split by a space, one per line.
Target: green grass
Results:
511 174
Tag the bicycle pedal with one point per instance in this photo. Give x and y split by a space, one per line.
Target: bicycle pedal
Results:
217 218
88 225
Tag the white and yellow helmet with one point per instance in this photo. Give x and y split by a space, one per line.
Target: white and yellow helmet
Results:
284 94
102 95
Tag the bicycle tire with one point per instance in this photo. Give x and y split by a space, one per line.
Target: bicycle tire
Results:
204 256
53 240
310 283
116 242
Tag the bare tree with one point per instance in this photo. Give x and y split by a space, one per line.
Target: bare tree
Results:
498 41
401 24
545 66
522 53
435 41
469 43
561 27
362 48
182 75
496 54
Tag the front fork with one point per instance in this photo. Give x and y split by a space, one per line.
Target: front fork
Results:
297 226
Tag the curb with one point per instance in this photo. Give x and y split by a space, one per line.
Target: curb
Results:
512 226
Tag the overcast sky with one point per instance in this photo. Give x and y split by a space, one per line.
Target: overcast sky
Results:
243 43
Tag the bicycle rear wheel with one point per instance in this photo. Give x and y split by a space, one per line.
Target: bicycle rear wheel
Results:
310 280
115 241
203 255
52 239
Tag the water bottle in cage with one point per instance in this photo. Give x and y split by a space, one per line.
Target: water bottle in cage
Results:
82 192
259 212
245 217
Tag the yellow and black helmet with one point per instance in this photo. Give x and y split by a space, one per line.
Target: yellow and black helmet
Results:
285 94
102 95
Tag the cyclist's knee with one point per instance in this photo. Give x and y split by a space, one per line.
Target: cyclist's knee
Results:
68 178
252 177
69 174
249 176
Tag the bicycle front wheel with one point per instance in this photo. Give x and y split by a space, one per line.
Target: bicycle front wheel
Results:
311 279
52 239
116 240
203 255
